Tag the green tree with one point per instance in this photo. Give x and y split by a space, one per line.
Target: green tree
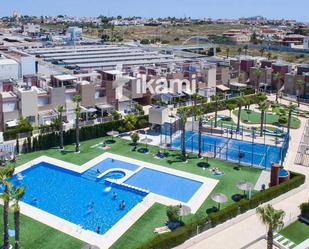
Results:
262 51
240 102
216 98
258 74
246 47
5 176
173 213
227 52
273 219
277 78
300 83
135 138
17 194
198 112
231 107
239 50
130 121
77 100
263 107
183 120
290 108
60 110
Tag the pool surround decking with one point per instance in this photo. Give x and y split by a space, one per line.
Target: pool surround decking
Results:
107 239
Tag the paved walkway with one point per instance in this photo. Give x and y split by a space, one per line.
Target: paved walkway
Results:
250 229
244 232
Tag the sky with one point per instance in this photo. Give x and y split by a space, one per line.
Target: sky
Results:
277 9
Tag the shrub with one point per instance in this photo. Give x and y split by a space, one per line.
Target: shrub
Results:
180 235
173 213
134 137
304 208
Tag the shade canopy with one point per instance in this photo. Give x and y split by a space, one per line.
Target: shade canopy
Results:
4 153
245 185
219 198
146 140
113 133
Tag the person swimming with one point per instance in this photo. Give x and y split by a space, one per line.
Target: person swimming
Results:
34 199
114 196
122 205
98 230
98 171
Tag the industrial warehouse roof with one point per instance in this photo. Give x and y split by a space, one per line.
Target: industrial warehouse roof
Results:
7 62
145 56
133 62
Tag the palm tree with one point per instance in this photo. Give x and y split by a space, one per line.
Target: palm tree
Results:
291 107
240 102
258 74
77 100
277 78
60 110
246 49
227 52
17 194
183 118
231 107
273 219
262 51
216 98
239 50
263 107
199 114
5 176
300 85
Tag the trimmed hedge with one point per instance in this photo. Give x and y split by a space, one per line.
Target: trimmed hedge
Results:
222 104
50 140
179 236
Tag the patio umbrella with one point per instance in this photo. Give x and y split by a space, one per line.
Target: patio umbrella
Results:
245 186
112 133
184 210
219 198
208 155
3 155
146 140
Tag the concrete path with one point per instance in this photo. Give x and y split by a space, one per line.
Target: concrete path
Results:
244 232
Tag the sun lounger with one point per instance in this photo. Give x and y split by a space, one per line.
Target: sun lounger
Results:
160 230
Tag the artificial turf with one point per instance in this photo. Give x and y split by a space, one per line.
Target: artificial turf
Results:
296 232
252 117
142 230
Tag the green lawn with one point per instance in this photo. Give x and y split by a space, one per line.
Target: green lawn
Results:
252 117
36 235
296 232
142 230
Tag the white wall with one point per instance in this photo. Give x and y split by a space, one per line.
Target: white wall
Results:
9 70
27 65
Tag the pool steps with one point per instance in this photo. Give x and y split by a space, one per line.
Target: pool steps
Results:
127 186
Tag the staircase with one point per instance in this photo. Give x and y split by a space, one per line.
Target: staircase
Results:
283 241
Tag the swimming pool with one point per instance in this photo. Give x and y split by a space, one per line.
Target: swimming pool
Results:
85 197
260 155
168 185
75 198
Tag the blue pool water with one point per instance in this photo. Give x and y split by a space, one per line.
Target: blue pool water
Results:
261 155
69 195
175 187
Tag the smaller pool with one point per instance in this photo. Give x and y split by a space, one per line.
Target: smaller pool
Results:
117 174
283 173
